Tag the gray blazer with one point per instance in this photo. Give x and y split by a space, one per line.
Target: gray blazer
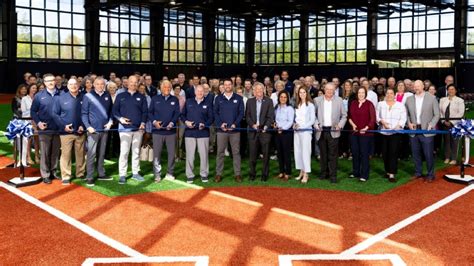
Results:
429 112
339 115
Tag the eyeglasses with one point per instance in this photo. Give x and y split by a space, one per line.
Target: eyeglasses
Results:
49 80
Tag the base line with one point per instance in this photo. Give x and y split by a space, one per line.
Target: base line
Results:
404 223
199 260
75 223
286 260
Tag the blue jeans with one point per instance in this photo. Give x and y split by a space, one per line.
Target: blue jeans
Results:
421 145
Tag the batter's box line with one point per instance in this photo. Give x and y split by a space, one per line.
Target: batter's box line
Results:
287 260
199 260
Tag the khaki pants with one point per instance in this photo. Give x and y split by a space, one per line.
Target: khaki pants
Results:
68 142
130 141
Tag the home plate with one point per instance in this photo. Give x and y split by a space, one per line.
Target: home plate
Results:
467 179
26 181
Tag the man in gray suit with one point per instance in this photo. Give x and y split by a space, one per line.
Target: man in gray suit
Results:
260 116
331 116
423 114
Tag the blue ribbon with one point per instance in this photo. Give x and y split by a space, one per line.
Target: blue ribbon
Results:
18 127
463 128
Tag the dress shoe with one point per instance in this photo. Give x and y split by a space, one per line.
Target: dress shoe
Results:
285 178
238 178
416 177
218 178
305 179
252 178
47 180
264 179
280 176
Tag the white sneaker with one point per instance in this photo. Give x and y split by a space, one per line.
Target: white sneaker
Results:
273 157
226 153
169 177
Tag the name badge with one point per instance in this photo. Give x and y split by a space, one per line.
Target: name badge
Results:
138 99
204 106
172 103
235 101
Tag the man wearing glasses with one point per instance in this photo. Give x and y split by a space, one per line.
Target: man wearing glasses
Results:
41 113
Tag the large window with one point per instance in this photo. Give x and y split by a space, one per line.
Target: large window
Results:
337 36
51 29
277 40
183 37
125 34
230 40
406 25
470 30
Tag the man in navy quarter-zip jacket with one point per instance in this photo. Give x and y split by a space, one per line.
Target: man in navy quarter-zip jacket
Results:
131 110
41 113
228 112
164 114
198 117
67 115
96 116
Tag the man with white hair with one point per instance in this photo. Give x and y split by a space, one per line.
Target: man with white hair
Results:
96 116
260 116
198 116
331 116
164 114
423 114
67 115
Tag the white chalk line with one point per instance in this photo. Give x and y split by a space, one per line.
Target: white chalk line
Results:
133 254
199 260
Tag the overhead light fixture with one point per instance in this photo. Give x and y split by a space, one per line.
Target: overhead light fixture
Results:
329 6
172 2
220 9
259 14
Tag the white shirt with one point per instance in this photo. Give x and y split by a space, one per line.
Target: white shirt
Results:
305 115
274 98
418 105
228 97
394 117
373 98
26 102
327 119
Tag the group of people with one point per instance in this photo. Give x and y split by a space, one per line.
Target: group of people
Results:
292 120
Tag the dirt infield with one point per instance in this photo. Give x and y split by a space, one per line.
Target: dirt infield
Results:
236 226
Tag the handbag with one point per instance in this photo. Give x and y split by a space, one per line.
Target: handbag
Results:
150 153
144 151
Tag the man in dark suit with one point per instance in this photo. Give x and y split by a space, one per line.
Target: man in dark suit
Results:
150 89
260 115
442 91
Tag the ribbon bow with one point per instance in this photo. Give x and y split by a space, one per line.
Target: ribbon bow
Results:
463 128
18 127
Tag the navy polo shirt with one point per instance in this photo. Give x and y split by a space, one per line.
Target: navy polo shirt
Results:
164 110
96 110
289 87
230 111
198 113
42 108
67 110
132 106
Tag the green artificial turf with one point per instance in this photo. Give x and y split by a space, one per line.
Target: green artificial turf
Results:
375 185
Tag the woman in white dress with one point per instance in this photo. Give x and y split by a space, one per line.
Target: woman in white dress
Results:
305 116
